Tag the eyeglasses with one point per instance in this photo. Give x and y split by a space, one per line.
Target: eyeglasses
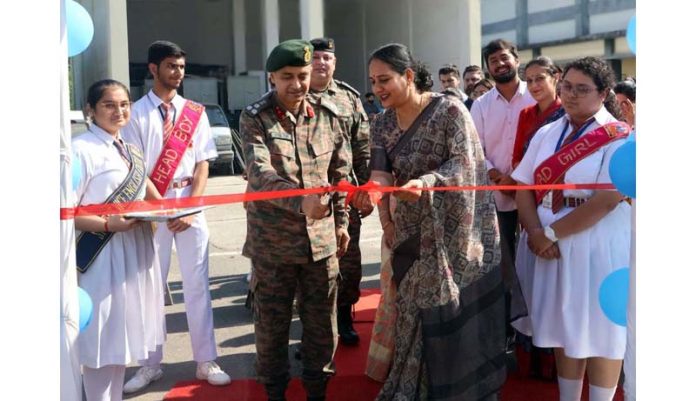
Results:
113 107
577 90
537 79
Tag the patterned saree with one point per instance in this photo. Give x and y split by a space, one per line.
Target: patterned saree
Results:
449 334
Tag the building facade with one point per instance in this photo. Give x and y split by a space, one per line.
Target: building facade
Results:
563 29
227 40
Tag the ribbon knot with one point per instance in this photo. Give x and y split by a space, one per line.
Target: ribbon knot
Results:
371 187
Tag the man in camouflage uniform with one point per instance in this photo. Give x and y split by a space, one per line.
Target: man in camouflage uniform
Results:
334 94
294 242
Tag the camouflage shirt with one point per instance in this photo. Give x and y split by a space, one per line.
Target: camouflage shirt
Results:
283 152
345 102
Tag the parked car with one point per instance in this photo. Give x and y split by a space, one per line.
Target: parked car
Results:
222 134
78 124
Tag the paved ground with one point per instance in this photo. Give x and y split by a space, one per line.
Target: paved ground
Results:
228 269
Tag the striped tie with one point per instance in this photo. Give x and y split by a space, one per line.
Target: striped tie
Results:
557 194
167 124
122 151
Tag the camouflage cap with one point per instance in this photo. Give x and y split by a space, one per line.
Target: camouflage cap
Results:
294 52
323 45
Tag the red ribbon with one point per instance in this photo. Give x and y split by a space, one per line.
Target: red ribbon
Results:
373 188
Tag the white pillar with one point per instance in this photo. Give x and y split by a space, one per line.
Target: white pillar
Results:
107 55
312 18
70 378
239 18
470 24
270 22
409 11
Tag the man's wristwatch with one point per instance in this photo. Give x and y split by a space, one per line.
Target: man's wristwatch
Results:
550 234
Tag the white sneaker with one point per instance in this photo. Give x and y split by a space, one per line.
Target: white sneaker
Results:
211 372
144 376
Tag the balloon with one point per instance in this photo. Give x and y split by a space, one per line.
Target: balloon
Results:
631 34
76 165
80 28
85 308
622 169
613 296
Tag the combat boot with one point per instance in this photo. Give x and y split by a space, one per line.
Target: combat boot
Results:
346 332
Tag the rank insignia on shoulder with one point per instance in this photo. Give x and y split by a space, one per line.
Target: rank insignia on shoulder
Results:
257 106
344 85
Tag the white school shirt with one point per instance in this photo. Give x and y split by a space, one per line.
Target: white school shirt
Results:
145 130
496 123
103 168
591 169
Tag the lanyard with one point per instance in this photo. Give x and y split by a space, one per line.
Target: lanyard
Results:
173 113
577 134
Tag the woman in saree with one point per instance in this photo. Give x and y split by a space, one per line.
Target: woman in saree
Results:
445 245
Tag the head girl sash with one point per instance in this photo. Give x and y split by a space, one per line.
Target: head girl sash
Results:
552 169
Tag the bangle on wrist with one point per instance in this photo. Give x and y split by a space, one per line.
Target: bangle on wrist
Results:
106 225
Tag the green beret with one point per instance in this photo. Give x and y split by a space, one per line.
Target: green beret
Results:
294 53
323 45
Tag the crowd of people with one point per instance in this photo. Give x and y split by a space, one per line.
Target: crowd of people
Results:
464 274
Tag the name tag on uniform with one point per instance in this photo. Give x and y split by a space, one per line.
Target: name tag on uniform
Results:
281 135
547 201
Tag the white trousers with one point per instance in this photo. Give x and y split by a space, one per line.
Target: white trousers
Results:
105 383
192 250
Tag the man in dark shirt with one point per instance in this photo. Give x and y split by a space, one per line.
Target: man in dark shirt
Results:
471 76
372 108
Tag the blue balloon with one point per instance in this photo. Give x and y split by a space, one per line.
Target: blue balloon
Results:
622 169
632 136
76 165
613 296
631 34
80 28
85 303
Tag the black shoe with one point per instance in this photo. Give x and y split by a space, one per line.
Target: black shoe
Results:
298 352
249 300
346 332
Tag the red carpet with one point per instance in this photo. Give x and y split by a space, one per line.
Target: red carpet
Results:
350 384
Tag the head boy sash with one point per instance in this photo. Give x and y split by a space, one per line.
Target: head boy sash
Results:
175 146
90 244
555 167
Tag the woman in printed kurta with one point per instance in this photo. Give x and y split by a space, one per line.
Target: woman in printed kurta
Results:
123 279
450 324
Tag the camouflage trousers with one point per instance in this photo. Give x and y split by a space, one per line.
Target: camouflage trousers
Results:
274 287
351 265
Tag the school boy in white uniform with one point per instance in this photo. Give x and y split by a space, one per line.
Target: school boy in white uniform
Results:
150 115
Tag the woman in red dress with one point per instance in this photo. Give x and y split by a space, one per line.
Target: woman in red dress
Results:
542 77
